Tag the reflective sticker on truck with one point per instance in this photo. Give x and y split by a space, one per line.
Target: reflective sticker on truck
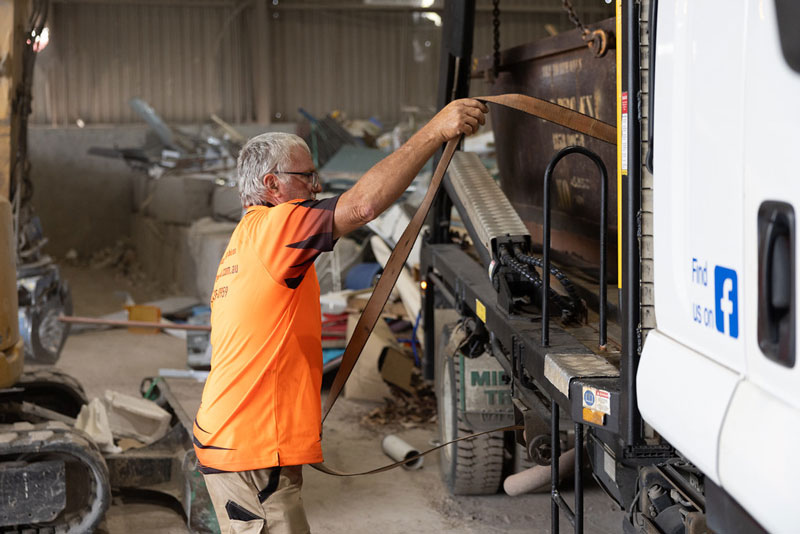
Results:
480 310
598 400
624 141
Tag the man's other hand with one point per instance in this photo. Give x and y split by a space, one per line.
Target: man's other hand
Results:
462 116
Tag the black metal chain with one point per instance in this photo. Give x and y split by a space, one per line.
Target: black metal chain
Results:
570 306
496 30
573 18
566 283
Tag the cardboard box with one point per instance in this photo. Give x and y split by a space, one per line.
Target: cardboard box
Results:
397 367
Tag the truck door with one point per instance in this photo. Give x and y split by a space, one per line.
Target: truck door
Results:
765 408
698 180
692 361
772 201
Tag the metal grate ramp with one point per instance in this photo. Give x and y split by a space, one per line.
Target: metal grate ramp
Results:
485 204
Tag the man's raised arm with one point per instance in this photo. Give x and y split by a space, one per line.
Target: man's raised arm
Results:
383 184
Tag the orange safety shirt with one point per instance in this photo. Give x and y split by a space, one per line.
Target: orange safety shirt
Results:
261 402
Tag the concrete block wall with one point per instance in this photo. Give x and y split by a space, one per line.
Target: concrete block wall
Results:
163 252
88 203
181 257
84 202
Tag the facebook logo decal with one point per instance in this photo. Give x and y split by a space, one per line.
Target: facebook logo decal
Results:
726 294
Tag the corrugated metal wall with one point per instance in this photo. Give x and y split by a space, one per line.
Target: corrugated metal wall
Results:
186 60
238 58
365 63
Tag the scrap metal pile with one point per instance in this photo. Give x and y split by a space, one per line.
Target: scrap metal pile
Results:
213 148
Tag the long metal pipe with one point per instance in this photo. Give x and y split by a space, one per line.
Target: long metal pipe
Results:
398 450
578 479
536 477
555 448
132 324
334 6
631 206
456 57
557 502
154 3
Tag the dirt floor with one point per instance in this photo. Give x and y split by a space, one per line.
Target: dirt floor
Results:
398 501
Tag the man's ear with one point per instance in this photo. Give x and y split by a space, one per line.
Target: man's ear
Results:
271 183
271 189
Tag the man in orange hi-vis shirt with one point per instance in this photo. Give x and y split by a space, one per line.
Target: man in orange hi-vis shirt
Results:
259 420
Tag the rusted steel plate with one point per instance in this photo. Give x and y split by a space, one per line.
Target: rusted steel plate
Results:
563 70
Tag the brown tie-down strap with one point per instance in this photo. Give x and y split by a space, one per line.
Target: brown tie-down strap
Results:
329 470
386 283
557 114
527 104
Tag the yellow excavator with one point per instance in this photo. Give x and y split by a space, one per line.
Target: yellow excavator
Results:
11 357
53 477
11 346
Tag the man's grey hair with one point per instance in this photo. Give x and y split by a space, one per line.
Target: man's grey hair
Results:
261 155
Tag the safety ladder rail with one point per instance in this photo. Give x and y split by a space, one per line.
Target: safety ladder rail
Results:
548 173
557 501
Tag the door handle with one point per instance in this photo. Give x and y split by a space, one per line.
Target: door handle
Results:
776 286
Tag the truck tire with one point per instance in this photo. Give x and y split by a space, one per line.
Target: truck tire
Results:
470 467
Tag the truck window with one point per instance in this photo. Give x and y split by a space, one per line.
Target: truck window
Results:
788 17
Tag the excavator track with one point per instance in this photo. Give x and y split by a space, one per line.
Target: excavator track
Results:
53 480
52 389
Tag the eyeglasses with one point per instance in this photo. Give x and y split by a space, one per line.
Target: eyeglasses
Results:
311 177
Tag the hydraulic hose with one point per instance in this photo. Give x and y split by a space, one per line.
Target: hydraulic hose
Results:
565 282
519 264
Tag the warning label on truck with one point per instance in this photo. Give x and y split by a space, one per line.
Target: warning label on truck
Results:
624 137
598 400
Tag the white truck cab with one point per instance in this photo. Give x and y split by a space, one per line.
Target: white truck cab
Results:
717 377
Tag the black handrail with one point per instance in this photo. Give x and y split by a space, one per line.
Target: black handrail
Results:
546 238
574 516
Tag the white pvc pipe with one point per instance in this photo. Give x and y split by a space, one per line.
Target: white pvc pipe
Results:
538 476
398 450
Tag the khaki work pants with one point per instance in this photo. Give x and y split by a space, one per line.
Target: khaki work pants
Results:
263 501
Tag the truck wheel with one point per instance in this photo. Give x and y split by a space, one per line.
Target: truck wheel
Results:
470 467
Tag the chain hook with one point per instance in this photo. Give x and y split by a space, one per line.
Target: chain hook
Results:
596 40
599 41
496 35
